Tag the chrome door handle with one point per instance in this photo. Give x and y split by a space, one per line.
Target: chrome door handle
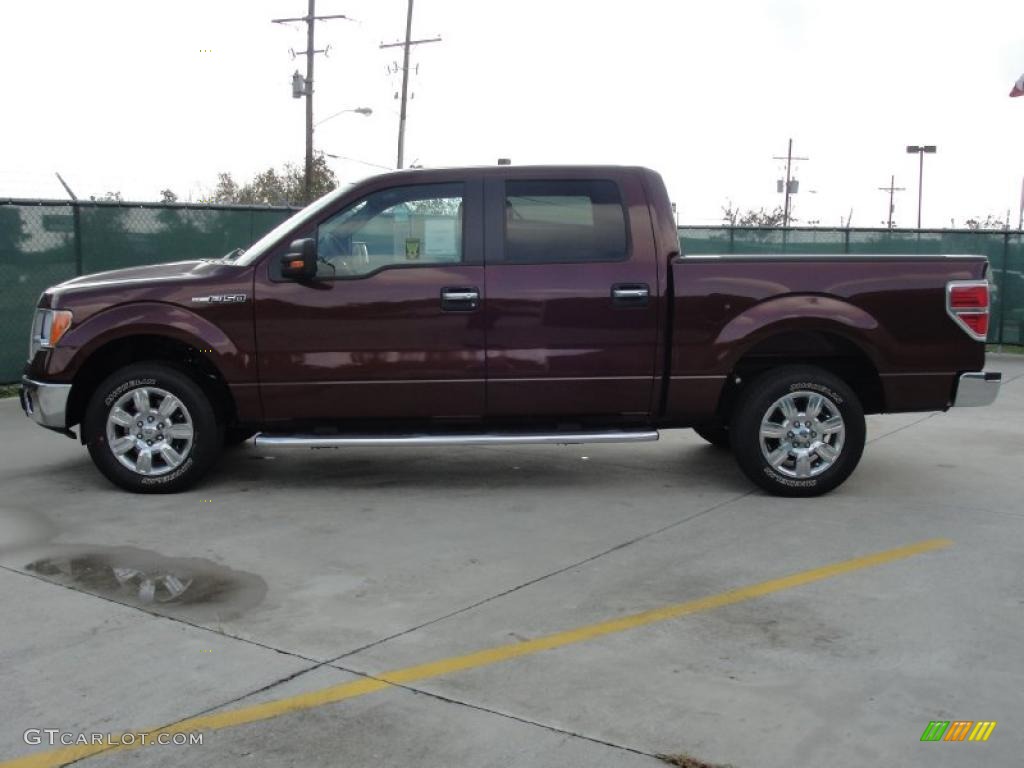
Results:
460 299
632 295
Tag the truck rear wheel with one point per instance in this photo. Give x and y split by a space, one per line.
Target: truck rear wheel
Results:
798 431
151 429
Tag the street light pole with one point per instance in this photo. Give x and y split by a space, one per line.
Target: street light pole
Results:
920 151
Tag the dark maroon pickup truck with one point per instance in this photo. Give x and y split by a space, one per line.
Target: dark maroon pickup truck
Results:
507 305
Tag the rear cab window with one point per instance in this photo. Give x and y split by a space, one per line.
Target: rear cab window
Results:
564 221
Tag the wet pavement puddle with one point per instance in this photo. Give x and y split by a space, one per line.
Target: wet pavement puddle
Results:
145 578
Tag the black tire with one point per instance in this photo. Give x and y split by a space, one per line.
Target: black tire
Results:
235 436
716 434
206 439
753 407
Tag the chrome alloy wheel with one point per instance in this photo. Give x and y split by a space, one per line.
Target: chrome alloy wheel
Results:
149 431
802 434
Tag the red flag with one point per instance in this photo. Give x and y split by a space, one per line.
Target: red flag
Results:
1018 87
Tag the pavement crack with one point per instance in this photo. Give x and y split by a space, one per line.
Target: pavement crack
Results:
498 713
158 615
905 426
543 577
168 726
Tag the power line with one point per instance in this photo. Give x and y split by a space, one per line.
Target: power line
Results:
357 160
891 189
302 87
406 45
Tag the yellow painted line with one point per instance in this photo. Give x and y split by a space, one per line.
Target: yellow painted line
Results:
303 701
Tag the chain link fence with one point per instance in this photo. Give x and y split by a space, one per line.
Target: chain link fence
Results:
44 242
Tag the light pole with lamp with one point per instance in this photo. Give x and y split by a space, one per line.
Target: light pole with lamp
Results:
365 111
920 151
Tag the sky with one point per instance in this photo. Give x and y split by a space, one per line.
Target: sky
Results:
139 96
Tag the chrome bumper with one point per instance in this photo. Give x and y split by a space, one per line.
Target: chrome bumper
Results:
46 404
977 388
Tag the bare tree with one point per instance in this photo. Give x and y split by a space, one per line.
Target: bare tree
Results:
734 217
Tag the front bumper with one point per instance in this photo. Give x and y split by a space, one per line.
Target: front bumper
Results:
977 388
46 404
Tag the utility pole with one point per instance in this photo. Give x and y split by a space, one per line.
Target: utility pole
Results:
789 185
406 45
891 189
305 88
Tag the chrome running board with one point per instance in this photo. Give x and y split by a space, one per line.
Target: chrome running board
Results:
272 440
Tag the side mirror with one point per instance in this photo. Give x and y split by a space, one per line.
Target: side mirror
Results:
299 263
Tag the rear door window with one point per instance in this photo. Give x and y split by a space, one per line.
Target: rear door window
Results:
564 221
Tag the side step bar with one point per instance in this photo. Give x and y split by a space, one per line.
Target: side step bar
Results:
272 440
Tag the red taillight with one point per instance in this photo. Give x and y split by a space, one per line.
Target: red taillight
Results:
967 304
977 323
968 296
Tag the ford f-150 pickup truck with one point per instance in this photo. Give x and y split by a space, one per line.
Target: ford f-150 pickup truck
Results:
506 305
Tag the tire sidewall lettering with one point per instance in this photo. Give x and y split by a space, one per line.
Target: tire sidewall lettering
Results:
775 477
811 386
121 389
162 479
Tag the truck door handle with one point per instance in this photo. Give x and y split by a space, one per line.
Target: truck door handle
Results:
460 299
630 295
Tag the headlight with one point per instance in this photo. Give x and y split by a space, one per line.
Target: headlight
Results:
48 326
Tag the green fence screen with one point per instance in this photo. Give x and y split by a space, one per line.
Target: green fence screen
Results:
45 242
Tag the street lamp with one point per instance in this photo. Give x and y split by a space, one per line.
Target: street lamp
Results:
920 151
365 111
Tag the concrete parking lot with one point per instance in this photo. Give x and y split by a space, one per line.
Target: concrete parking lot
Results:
532 606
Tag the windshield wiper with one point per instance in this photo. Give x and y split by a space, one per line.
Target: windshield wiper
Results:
234 254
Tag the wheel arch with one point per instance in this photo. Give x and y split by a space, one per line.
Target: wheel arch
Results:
131 348
826 346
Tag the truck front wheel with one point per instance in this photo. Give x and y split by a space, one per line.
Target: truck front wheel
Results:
798 431
151 429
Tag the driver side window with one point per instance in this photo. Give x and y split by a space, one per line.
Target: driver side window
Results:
405 226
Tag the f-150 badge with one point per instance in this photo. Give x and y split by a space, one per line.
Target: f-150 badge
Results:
221 298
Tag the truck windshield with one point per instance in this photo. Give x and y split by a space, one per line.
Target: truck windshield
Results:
257 249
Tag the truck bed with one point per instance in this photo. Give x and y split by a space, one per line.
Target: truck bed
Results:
882 317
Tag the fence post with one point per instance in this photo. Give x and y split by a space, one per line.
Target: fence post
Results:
846 240
732 239
76 223
1001 288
